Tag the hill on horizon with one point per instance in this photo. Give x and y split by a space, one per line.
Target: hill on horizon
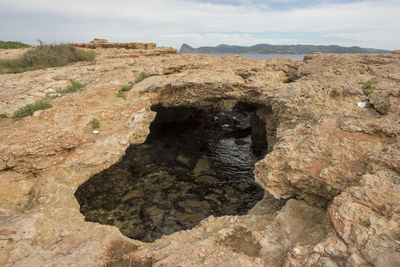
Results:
278 49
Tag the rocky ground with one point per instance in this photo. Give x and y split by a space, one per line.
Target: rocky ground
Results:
338 164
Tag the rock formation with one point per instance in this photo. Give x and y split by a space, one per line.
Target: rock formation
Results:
337 165
103 43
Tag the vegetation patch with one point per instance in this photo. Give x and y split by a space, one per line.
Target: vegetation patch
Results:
143 75
144 91
125 88
12 45
369 84
3 115
45 56
29 109
73 88
121 94
95 123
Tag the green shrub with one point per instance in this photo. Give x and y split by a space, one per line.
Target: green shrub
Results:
144 91
369 84
29 109
3 115
95 123
143 75
127 87
121 94
73 88
12 45
45 56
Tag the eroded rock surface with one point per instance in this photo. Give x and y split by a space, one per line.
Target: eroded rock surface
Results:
336 162
103 43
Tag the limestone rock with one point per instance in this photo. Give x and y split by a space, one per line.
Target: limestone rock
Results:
341 162
320 164
16 226
99 41
103 43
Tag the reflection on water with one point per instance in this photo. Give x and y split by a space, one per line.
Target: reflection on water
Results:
186 171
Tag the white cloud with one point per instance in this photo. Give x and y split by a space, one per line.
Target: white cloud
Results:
367 23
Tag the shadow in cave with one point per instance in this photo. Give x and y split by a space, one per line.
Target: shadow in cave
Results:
194 163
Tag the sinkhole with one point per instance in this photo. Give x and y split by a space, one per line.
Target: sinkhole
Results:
194 163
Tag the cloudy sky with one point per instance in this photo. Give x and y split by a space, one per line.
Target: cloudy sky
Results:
365 23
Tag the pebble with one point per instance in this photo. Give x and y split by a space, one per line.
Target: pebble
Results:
206 179
240 142
361 104
123 142
96 132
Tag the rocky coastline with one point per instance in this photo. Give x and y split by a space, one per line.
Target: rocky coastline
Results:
331 176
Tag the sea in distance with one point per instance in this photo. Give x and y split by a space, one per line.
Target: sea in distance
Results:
298 57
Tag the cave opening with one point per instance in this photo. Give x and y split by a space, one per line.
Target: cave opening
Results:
193 164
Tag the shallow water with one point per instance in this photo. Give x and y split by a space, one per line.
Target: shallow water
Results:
182 174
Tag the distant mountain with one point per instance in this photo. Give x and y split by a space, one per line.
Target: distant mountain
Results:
278 49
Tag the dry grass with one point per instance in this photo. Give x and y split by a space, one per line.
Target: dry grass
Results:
45 56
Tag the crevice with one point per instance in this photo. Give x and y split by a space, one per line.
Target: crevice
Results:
293 74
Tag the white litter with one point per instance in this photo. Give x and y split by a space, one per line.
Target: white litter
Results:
96 132
361 104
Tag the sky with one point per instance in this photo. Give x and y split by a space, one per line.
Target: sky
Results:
365 23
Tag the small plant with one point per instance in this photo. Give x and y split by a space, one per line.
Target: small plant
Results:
3 115
143 75
95 123
369 84
132 64
73 88
368 92
29 109
121 94
127 87
53 96
124 89
144 91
